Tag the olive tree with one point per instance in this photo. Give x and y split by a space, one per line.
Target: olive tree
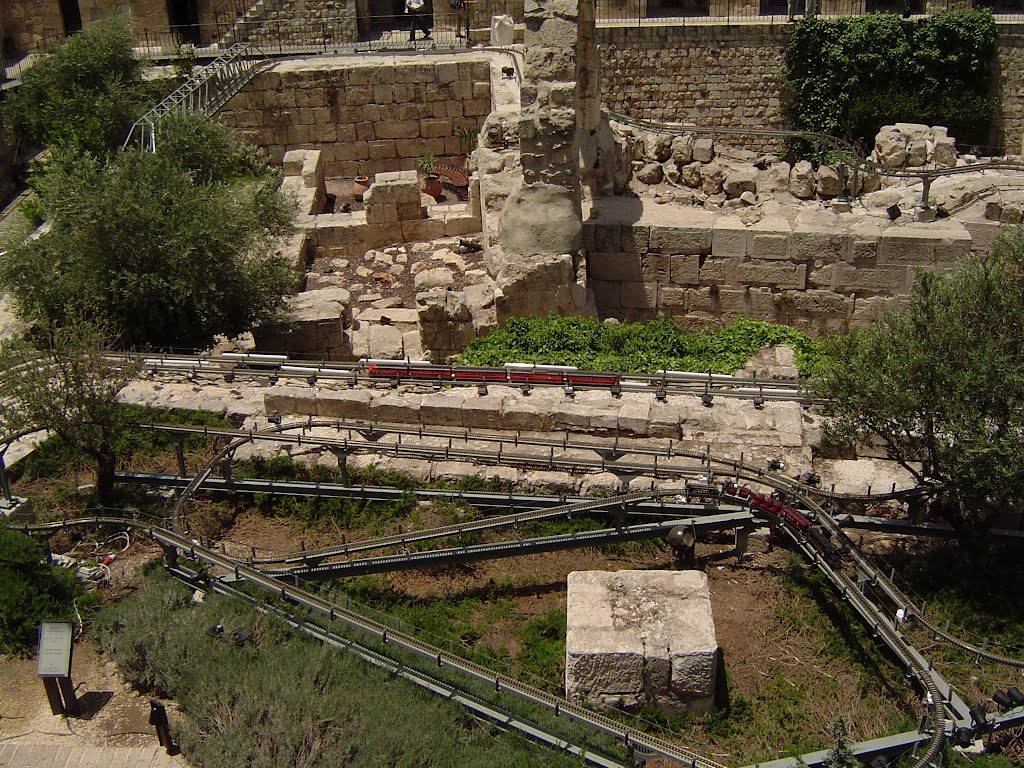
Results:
84 94
941 383
166 249
68 384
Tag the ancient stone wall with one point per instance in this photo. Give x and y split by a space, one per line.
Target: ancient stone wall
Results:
701 269
299 21
719 74
385 111
32 23
708 74
1011 76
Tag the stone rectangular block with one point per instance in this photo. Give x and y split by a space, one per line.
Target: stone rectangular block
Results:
776 273
690 241
607 238
814 243
655 267
671 298
732 301
881 279
638 295
640 637
351 404
634 238
619 266
684 270
729 238
606 294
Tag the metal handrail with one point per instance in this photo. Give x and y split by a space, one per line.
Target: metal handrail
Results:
204 93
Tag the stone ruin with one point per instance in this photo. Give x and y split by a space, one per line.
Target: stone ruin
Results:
641 637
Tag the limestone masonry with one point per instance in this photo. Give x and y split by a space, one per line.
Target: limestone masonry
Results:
384 111
639 637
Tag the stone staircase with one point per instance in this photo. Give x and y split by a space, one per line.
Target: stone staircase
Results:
246 25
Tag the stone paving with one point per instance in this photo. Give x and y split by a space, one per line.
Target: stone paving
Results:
53 756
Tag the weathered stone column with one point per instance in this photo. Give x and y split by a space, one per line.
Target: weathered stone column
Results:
538 267
543 215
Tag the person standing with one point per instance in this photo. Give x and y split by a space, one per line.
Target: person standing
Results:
417 19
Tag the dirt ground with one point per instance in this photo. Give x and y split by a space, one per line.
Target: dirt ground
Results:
745 601
111 713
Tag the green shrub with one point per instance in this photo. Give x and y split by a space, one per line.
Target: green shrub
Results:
849 76
145 248
83 95
634 347
282 699
33 591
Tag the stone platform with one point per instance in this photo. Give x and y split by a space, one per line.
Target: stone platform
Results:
638 637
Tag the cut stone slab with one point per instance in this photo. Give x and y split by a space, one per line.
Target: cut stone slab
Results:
639 637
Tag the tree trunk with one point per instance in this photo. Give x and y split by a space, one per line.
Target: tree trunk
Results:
106 465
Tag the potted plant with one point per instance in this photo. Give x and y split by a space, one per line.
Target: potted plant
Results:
427 165
361 182
468 140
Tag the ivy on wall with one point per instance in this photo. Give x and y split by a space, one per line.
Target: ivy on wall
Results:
849 76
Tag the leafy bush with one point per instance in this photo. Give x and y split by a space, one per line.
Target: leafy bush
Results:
83 95
33 591
282 699
849 76
157 251
633 347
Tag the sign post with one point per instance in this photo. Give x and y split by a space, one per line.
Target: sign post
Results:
53 665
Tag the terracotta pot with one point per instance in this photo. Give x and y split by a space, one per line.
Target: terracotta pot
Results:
359 186
432 185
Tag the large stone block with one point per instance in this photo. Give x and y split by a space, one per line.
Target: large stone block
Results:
615 266
696 240
811 242
884 280
639 637
729 238
777 273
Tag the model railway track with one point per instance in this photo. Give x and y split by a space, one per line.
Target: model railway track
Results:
174 543
270 368
368 437
477 706
946 711
446 558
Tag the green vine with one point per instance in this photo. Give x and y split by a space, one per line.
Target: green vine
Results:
849 76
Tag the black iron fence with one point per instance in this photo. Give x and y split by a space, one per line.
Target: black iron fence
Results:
683 12
468 23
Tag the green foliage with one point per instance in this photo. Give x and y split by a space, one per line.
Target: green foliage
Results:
69 387
282 699
166 249
849 76
942 384
83 95
543 647
840 755
33 591
208 151
633 347
53 457
427 164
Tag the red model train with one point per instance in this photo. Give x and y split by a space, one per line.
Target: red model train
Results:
516 374
777 511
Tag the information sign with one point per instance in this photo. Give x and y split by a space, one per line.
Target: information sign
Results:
54 649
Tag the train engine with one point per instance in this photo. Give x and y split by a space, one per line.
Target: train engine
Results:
777 512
